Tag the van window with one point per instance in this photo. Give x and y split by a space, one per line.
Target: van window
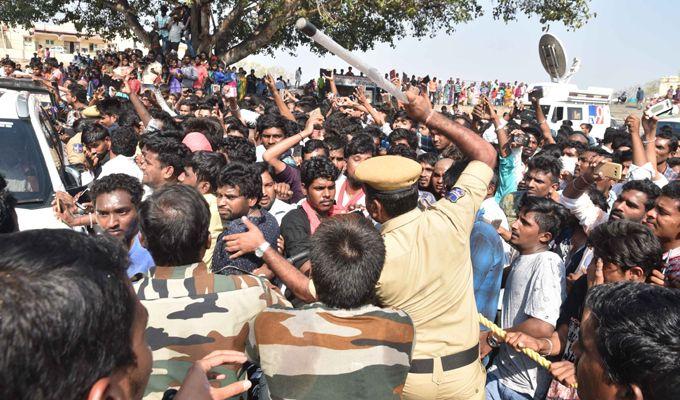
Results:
22 163
558 114
574 114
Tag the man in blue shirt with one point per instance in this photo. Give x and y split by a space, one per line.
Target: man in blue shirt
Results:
117 198
239 189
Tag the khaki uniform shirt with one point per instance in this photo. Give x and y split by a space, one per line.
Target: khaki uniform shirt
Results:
428 272
75 153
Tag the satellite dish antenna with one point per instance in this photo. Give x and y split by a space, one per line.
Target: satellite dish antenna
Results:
553 57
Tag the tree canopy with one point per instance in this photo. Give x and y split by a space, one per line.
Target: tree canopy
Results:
238 28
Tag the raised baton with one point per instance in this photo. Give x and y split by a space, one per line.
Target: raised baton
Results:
372 73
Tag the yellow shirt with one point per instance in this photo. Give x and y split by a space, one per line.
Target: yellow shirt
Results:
428 272
215 227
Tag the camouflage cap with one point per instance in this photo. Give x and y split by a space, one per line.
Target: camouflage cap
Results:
389 173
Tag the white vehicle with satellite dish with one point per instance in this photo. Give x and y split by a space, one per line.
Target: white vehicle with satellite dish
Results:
563 101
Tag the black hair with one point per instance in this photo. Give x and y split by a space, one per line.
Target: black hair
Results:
401 133
403 151
113 182
373 131
110 106
129 118
7 204
621 141
598 198
620 157
266 121
238 149
671 190
317 167
673 161
636 335
93 133
234 124
534 131
645 186
207 166
610 134
627 244
174 221
401 114
673 140
580 147
394 204
454 172
66 302
262 167
549 215
360 144
170 151
429 158
166 119
243 176
123 141
550 150
589 127
335 142
315 144
547 165
78 92
334 123
347 256
352 127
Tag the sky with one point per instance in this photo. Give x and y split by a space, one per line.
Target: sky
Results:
630 42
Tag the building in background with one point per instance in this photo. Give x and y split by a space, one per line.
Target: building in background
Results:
64 41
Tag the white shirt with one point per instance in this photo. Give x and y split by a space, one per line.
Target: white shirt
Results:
148 77
279 209
121 165
346 197
535 288
259 152
175 34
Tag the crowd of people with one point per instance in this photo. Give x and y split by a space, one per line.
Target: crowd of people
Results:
238 237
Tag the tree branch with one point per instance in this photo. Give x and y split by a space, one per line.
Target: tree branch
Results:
123 7
260 37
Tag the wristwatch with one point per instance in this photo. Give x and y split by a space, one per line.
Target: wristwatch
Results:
259 251
491 341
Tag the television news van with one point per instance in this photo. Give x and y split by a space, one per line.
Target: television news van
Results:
566 102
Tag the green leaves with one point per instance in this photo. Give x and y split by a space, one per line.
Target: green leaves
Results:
266 25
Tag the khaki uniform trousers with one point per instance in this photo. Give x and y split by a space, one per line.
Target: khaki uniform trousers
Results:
465 383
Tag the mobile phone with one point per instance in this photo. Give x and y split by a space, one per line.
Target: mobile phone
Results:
659 108
253 374
610 170
537 93
215 88
393 74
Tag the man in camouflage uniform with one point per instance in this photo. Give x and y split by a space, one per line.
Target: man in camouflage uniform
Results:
192 312
342 347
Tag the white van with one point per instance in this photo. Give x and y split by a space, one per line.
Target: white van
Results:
31 159
563 101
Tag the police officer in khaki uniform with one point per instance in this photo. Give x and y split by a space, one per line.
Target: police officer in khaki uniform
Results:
427 270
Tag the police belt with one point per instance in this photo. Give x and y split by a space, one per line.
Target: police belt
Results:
452 361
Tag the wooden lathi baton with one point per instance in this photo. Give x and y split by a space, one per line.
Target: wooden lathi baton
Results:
540 360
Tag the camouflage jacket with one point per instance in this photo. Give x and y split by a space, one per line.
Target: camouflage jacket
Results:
193 312
318 352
